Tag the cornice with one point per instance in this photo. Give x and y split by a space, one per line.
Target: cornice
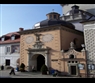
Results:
51 28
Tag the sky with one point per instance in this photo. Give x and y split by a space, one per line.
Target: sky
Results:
14 16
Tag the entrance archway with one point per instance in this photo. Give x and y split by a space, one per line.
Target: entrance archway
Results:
40 62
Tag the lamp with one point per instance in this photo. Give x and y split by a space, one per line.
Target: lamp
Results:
83 45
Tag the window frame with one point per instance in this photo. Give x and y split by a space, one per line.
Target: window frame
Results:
13 48
3 39
8 49
50 17
13 37
54 16
70 56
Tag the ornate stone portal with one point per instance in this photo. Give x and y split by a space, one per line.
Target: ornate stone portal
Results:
75 61
38 48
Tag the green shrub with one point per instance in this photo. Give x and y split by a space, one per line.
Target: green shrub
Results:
44 69
22 67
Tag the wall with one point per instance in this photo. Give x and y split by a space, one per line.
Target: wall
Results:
68 37
89 36
54 45
12 56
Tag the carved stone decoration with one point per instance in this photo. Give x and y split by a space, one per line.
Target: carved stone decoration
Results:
38 45
71 45
37 37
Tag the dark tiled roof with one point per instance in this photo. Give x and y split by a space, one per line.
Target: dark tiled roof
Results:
49 22
8 38
12 33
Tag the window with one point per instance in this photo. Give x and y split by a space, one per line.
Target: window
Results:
71 57
69 61
15 48
50 16
3 38
7 62
7 49
54 16
72 61
12 37
76 61
75 41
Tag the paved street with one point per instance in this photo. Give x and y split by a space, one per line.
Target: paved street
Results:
5 74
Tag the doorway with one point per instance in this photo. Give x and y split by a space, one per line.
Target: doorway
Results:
73 70
40 62
7 62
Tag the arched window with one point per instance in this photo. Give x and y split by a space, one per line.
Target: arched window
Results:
75 41
71 56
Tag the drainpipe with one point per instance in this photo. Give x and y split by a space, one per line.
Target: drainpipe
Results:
87 71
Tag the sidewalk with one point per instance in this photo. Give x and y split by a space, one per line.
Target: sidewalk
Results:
5 74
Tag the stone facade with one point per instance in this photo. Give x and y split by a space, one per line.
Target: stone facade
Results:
52 40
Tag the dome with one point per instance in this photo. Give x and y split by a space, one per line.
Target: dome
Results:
53 18
50 22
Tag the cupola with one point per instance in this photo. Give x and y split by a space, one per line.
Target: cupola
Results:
53 15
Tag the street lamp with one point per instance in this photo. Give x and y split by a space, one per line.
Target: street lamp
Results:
83 46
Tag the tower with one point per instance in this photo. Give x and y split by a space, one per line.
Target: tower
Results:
86 7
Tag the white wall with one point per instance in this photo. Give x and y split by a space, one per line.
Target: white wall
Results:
12 56
78 26
89 35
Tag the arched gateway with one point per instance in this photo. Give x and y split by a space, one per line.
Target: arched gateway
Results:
37 60
38 55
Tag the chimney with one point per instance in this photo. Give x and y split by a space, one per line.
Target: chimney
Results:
75 9
21 29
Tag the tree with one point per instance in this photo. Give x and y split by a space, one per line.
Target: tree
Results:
22 67
44 69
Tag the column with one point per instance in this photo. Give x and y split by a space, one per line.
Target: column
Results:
46 60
